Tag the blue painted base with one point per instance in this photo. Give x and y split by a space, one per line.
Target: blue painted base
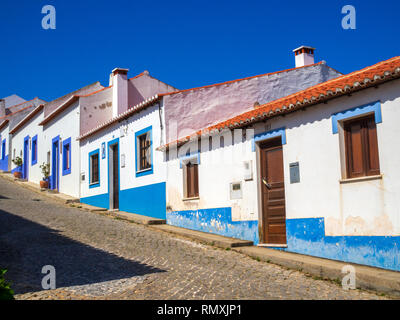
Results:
148 200
4 163
307 236
217 221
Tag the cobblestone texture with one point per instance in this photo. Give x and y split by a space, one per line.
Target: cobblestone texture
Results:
97 257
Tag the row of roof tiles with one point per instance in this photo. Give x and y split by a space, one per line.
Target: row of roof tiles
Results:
358 80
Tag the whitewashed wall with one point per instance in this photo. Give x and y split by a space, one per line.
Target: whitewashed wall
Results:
148 117
66 125
31 129
358 208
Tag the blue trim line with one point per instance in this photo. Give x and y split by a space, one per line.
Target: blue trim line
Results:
94 185
25 163
268 135
189 156
374 107
3 149
150 170
66 142
34 150
110 143
55 167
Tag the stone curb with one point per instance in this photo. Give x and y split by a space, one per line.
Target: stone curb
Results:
204 237
367 278
35 188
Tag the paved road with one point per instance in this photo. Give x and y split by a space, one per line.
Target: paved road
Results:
97 257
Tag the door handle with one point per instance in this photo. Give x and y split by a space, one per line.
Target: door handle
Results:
266 183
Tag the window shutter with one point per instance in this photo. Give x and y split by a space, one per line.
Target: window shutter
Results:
362 156
372 148
355 167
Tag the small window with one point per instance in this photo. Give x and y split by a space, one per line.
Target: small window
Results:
144 159
66 151
34 150
94 169
192 180
361 145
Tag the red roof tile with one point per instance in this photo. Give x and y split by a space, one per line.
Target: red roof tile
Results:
358 80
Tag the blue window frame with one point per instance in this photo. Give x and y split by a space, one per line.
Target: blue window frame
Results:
34 150
3 149
144 152
280 132
66 151
94 169
374 107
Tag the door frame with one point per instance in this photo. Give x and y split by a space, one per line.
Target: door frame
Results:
258 139
110 144
25 163
55 163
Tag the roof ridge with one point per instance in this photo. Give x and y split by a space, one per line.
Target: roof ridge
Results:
328 90
241 79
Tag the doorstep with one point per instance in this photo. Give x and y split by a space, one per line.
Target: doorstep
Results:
204 237
367 278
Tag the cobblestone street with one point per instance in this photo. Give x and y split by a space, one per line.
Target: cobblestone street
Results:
97 257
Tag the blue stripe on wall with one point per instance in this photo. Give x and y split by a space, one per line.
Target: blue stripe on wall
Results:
101 200
307 236
4 163
147 200
217 221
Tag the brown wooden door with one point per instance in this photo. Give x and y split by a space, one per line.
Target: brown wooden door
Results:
273 192
115 177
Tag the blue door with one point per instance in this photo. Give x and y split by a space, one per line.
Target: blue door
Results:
25 161
55 163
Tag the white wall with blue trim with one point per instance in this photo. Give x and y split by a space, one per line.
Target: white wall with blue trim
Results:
31 133
4 148
140 192
63 127
327 215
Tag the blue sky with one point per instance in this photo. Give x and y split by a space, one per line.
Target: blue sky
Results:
184 43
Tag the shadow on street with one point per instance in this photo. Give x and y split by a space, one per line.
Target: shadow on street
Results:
25 247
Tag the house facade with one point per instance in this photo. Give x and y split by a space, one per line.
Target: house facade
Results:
119 166
12 114
313 173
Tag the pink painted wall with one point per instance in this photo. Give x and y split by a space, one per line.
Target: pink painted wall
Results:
95 109
144 87
53 105
194 110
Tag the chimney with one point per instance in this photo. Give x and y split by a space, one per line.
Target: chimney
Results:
304 56
2 108
119 81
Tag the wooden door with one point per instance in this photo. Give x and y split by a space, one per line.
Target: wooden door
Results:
273 192
115 177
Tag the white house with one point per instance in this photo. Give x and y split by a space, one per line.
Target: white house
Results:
119 167
315 172
10 115
27 142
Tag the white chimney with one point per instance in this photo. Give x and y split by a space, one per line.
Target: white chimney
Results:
304 56
119 81
2 108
